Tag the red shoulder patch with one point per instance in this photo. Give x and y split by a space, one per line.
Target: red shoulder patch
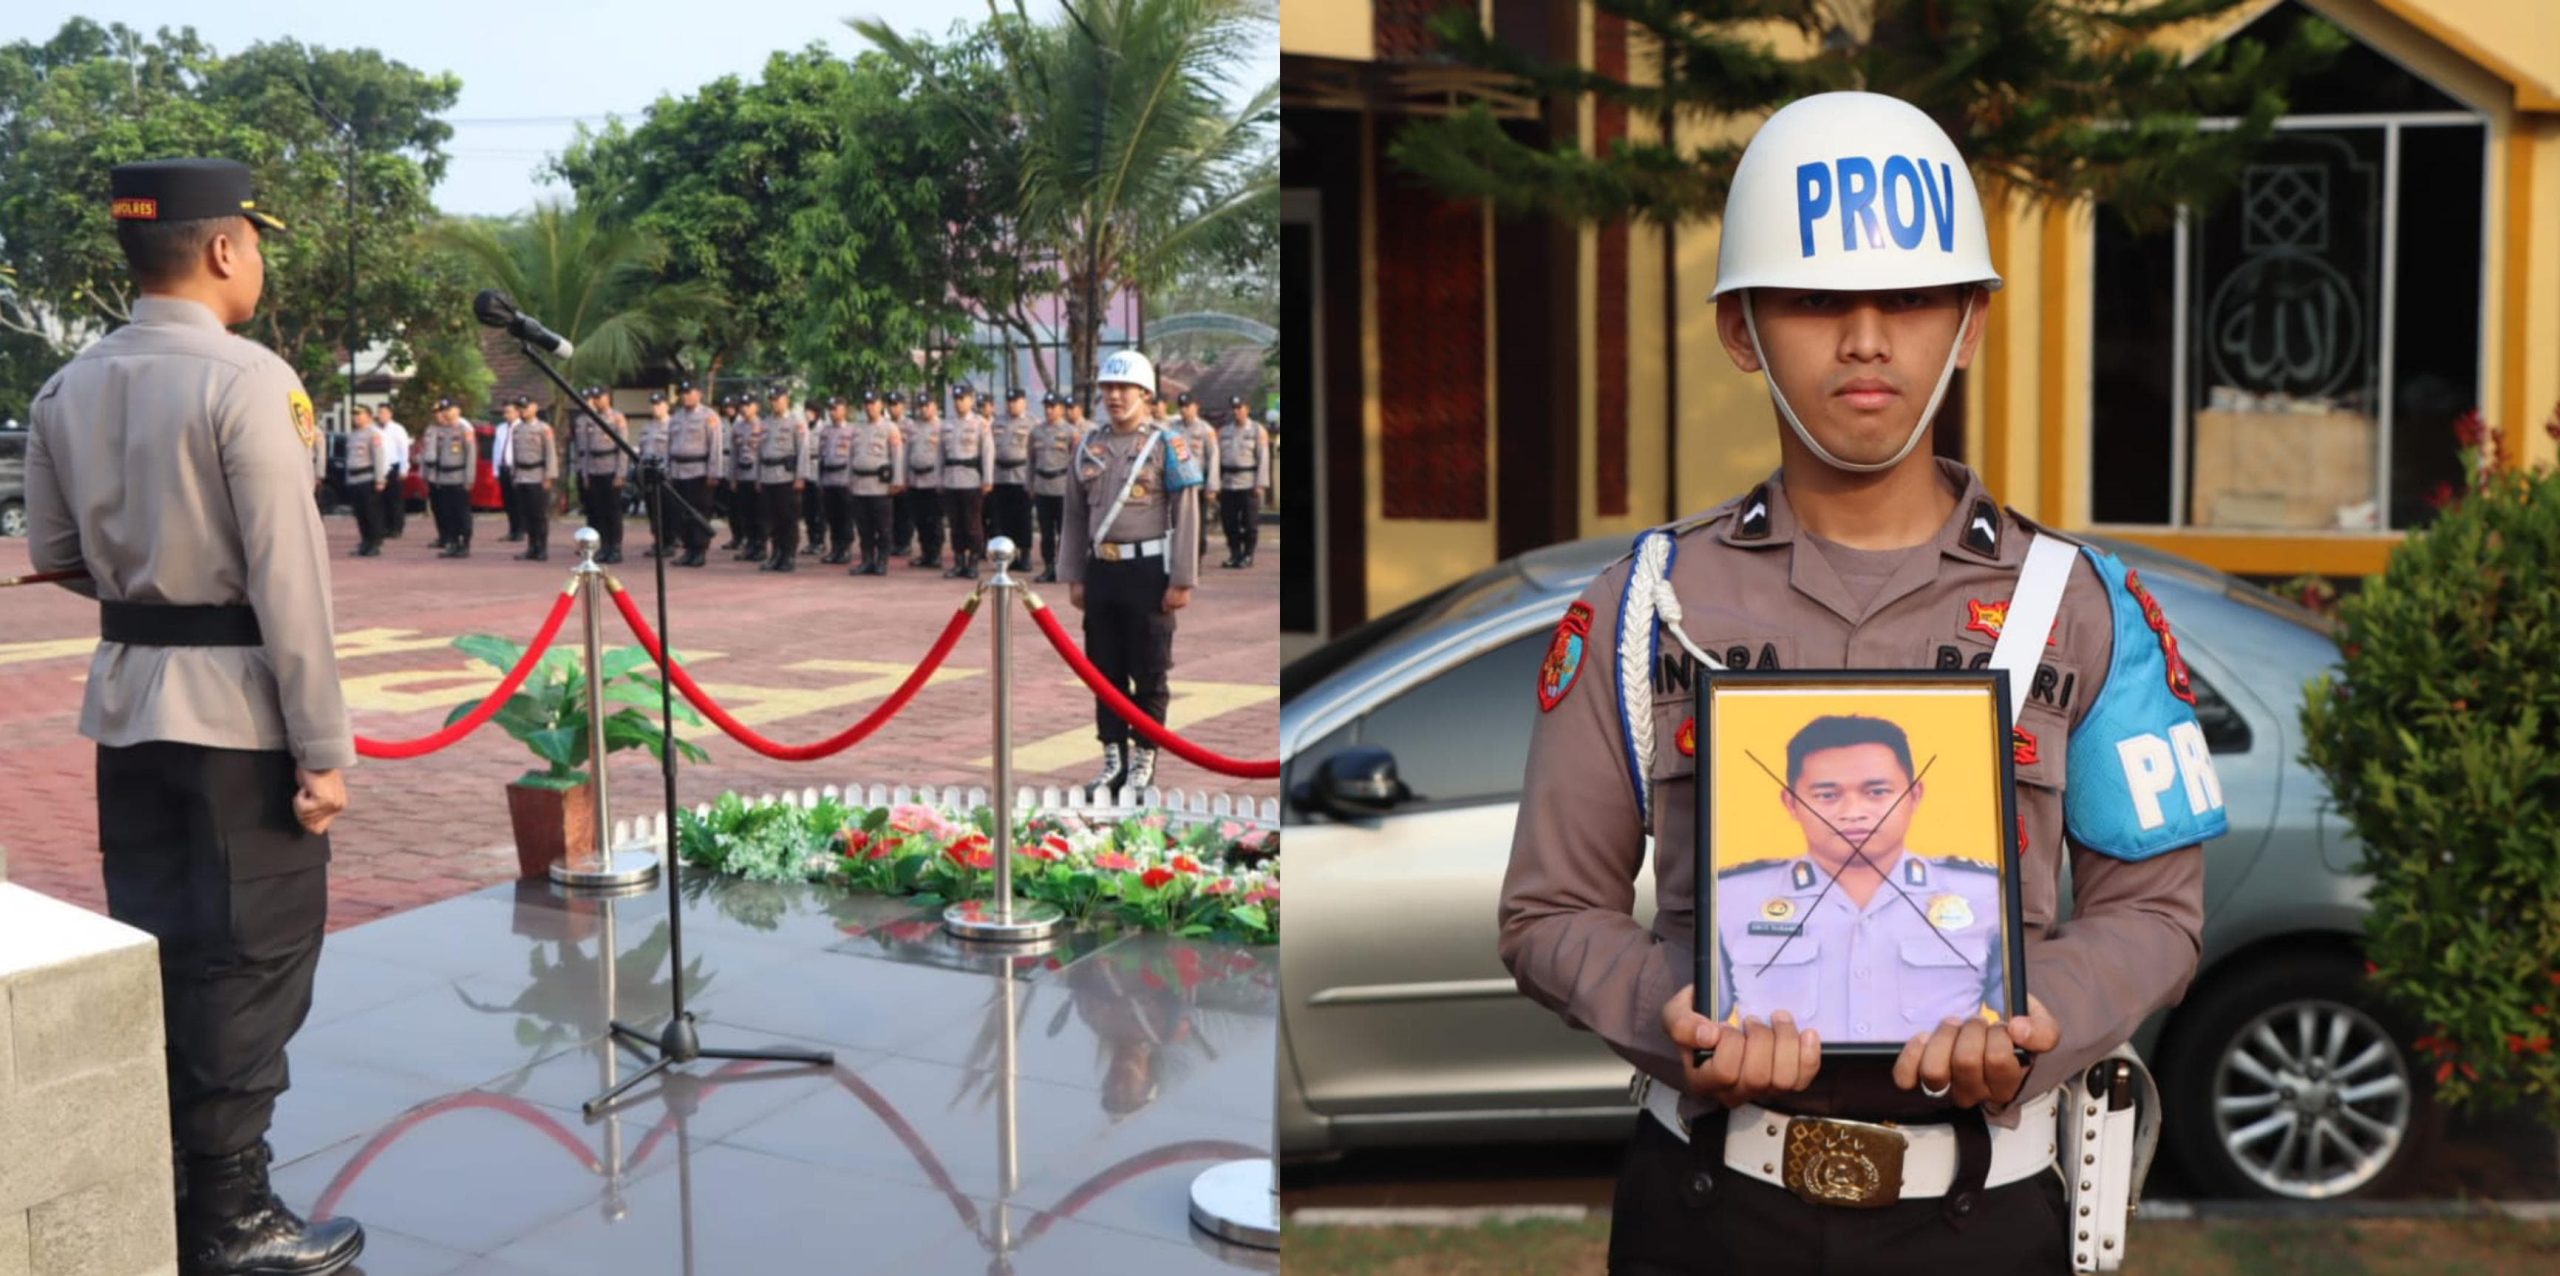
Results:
2179 685
2022 750
1563 665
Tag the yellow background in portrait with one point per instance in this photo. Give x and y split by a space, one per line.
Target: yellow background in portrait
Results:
1959 813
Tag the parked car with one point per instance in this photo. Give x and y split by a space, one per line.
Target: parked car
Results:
1400 1024
13 482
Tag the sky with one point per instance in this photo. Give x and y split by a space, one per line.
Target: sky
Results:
533 70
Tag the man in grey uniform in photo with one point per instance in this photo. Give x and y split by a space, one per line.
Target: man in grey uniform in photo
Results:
172 462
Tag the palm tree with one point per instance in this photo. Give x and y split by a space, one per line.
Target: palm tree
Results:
595 282
1133 166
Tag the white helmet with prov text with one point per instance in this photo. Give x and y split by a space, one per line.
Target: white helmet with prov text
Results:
1129 368
1852 192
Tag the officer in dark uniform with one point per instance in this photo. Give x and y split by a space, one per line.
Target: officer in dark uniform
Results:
1132 558
173 460
968 455
746 492
365 466
696 451
784 466
835 484
1244 474
1053 443
877 453
924 479
902 522
451 464
601 466
1009 505
505 461
651 443
813 511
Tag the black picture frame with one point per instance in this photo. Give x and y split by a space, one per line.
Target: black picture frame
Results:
1993 685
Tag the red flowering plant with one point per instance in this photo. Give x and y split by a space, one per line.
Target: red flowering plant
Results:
2445 760
1213 877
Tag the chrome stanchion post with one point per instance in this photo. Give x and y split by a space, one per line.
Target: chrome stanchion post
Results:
1004 918
608 865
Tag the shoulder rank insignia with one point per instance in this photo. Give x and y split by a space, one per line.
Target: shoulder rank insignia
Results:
1563 664
2179 685
2022 747
1801 877
1982 529
1950 912
1915 872
1752 520
303 422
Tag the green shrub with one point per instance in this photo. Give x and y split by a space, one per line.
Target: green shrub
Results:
2440 740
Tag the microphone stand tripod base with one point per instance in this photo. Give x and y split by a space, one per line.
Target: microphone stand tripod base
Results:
1234 1202
627 867
1029 920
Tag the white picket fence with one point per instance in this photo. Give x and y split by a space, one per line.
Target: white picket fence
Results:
1189 805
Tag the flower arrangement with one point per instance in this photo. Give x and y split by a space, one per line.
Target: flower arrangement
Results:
1212 878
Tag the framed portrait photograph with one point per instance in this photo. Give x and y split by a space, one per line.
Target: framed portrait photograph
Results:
1857 852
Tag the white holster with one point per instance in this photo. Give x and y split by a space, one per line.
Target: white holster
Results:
2110 1128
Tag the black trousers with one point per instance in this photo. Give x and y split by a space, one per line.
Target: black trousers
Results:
1053 511
1240 516
1129 635
746 512
200 848
512 500
923 510
452 507
1660 1225
902 521
395 502
1009 515
963 507
813 516
366 504
781 520
602 500
691 529
872 517
533 514
836 504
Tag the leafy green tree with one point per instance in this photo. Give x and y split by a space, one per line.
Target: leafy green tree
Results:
93 97
2053 101
596 282
1133 168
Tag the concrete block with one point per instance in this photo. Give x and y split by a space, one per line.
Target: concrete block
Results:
85 1013
14 1259
104 1124
123 1227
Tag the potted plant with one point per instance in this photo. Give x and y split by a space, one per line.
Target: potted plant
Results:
553 808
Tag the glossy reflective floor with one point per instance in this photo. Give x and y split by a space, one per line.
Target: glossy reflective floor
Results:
985 1113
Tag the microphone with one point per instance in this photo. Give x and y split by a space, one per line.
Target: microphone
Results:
498 310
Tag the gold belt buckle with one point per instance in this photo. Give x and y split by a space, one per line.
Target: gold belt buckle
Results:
1852 1164
1107 552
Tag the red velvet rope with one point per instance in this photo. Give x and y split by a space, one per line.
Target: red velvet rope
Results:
747 736
1146 726
488 708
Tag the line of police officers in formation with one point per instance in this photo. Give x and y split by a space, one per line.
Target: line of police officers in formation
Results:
881 480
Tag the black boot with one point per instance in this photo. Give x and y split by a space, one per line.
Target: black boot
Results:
692 558
233 1224
877 564
929 561
961 566
1048 575
788 562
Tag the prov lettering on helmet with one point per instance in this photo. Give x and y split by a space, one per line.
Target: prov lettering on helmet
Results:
1905 201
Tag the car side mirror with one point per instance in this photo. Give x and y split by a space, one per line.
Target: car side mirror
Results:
1357 783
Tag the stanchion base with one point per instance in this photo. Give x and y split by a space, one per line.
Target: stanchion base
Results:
1234 1202
1031 920
626 869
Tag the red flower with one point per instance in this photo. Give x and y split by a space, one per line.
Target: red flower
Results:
1155 878
2469 429
1058 844
1036 851
2519 1044
972 852
881 849
2442 496
1186 864
1114 860
854 841
2444 1072
2542 1012
1222 886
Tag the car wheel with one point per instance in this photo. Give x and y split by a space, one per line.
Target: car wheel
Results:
13 518
2291 1080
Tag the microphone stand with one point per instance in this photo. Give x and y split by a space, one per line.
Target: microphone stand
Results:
678 1042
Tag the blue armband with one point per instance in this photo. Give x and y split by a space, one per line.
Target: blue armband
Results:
2140 780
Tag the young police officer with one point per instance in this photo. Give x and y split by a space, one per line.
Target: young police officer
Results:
1132 556
1853 275
173 461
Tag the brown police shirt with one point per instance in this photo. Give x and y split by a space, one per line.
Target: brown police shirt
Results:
1756 594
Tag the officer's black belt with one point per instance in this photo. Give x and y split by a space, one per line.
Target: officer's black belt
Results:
451 469
1238 469
824 468
973 462
358 475
162 625
883 473
698 456
1049 473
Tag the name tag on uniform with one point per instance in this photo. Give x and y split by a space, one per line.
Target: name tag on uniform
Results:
1774 928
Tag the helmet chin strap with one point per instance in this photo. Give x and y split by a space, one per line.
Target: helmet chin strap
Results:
1805 436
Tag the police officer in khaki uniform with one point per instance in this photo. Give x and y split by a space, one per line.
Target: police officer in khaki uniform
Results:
602 465
924 478
813 512
1053 445
746 491
696 448
452 460
366 468
535 458
172 461
784 465
651 443
835 482
968 464
1009 505
1244 475
1203 438
1862 551
1131 558
879 473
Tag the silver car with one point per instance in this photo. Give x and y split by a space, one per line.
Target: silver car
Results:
1405 741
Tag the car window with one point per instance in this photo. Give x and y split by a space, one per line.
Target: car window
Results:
2225 730
1462 738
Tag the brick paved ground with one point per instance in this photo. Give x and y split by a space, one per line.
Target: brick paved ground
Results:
797 657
